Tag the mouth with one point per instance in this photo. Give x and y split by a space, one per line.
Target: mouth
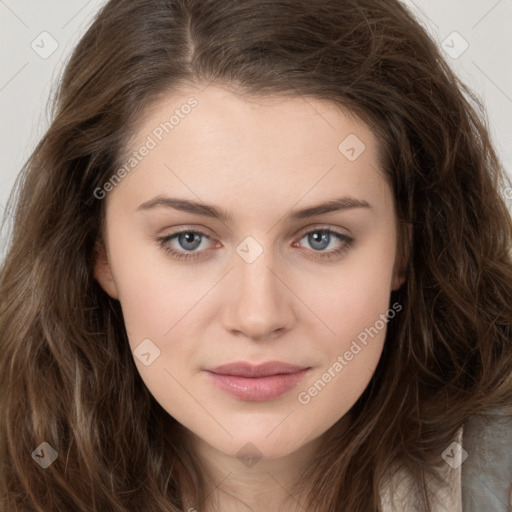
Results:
257 383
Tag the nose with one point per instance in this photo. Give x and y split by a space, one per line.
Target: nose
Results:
260 305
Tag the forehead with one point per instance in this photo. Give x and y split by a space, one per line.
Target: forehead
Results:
204 140
221 115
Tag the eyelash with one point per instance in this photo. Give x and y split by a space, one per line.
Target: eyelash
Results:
348 241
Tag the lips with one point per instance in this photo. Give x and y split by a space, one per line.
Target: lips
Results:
257 383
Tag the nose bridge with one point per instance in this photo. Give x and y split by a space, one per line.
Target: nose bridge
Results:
259 303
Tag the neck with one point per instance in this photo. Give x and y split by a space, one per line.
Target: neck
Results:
257 485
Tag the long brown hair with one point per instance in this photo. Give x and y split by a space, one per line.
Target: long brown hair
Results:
67 376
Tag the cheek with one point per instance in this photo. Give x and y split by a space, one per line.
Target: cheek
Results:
350 355
154 292
351 306
158 301
146 308
353 295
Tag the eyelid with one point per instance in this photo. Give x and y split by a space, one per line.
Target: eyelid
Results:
183 255
305 230
322 227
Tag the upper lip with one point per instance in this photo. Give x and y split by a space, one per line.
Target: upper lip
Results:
244 369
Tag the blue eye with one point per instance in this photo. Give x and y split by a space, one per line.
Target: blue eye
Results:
320 243
188 239
191 240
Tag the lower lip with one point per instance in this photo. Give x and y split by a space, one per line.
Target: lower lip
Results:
257 389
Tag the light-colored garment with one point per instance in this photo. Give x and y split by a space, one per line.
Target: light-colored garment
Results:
487 472
399 496
478 471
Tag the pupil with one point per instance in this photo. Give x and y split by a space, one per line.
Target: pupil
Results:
320 237
189 238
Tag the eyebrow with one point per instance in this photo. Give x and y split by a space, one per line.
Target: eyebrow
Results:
185 205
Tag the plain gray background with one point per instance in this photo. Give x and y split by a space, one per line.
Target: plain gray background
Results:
476 37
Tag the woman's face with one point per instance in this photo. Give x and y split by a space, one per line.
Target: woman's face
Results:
269 276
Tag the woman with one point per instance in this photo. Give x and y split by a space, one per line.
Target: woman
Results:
343 313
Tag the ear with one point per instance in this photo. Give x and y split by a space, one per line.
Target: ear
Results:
401 261
103 272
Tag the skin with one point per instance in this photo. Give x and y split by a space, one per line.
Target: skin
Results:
258 159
